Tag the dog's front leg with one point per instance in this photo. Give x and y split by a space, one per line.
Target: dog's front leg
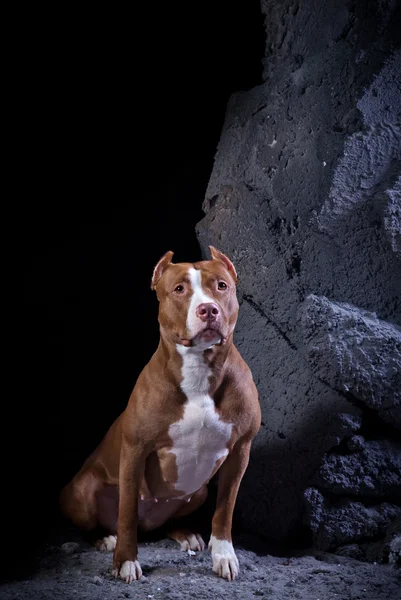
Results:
132 464
225 562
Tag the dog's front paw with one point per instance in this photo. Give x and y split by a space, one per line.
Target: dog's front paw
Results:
225 561
129 571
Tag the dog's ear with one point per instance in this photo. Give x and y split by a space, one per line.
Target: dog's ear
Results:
161 267
217 255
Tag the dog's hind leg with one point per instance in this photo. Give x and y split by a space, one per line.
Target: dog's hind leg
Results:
92 505
189 540
107 509
78 500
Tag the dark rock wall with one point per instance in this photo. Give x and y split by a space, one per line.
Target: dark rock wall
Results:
305 198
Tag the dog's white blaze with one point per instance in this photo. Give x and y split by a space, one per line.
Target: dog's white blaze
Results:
198 297
200 438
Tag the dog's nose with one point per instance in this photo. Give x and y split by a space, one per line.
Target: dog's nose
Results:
207 311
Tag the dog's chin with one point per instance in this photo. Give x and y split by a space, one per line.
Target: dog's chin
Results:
207 338
211 336
204 339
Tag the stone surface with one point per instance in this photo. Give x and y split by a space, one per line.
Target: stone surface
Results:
355 352
69 547
371 472
346 521
387 548
304 197
393 542
173 575
392 219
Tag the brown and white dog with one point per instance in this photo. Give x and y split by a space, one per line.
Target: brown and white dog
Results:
194 410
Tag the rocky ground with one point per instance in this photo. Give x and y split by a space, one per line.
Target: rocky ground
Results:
75 570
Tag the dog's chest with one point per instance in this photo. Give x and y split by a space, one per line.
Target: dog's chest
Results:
201 437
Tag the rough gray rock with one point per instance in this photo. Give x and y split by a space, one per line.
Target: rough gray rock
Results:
370 162
346 521
393 541
304 197
392 218
387 549
69 547
374 471
354 351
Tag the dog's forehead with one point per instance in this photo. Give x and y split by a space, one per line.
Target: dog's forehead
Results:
212 268
180 272
175 273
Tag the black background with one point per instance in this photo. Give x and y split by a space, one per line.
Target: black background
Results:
117 121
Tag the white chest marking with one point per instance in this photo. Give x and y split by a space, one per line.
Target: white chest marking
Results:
200 438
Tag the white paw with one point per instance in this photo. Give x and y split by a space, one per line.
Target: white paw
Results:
129 572
225 562
107 544
193 543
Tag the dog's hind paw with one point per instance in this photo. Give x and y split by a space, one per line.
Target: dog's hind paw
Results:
107 544
189 542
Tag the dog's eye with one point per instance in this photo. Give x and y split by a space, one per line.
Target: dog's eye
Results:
221 285
179 289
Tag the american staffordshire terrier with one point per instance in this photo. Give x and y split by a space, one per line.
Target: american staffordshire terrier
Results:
193 411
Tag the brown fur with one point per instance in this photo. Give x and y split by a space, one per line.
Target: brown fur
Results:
134 458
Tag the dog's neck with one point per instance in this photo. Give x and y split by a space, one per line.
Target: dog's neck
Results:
214 358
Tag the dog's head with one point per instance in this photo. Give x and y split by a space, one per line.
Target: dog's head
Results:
198 302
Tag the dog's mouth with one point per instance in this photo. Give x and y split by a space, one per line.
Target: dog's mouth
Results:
209 336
